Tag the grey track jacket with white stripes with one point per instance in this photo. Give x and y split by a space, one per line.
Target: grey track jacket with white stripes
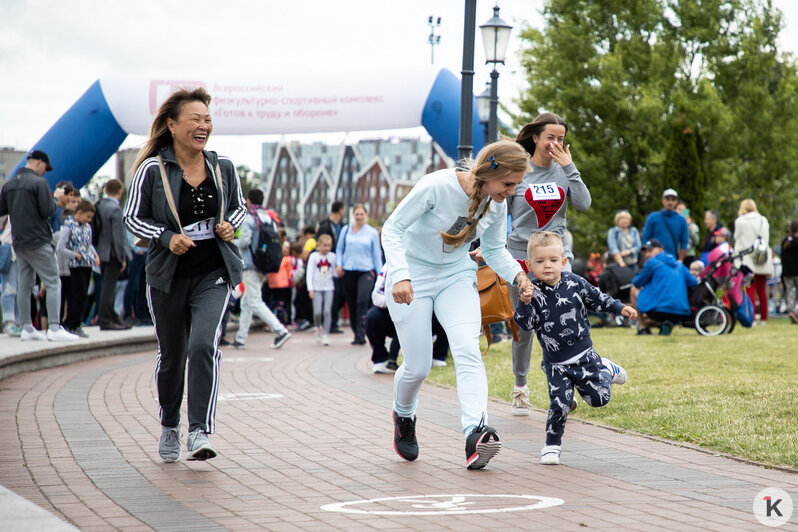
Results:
147 214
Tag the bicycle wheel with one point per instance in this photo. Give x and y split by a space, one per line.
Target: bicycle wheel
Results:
711 320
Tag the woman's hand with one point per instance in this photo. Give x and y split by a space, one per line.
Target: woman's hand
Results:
403 292
310 294
562 156
525 295
179 244
225 231
476 255
339 271
522 282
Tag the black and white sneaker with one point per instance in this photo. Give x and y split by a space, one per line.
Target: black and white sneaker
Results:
481 445
280 339
404 437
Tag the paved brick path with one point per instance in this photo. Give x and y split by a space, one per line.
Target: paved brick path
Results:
305 428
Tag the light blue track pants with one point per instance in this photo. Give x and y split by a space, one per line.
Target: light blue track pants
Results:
452 294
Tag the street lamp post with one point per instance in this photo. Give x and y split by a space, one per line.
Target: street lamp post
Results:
464 146
483 111
495 37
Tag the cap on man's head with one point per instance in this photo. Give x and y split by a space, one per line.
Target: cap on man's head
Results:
41 156
723 231
670 192
653 243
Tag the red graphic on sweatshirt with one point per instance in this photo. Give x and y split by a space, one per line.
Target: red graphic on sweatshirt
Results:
545 209
324 267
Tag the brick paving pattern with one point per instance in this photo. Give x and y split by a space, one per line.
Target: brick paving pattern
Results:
305 428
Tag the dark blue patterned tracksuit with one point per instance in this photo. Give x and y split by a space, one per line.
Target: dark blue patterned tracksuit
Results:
559 315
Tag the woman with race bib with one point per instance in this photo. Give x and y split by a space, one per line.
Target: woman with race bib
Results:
540 203
191 261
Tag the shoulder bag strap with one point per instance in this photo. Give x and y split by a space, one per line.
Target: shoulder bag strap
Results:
670 232
170 199
343 249
221 192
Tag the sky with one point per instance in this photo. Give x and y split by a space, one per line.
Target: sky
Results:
51 51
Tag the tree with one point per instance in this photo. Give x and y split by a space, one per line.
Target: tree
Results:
625 74
249 179
682 169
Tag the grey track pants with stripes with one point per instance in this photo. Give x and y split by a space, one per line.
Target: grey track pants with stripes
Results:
188 325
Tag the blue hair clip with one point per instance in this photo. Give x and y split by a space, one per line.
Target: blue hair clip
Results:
493 163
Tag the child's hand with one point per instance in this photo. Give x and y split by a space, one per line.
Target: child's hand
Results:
629 312
526 294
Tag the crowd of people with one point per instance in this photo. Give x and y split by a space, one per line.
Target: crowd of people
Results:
187 252
64 260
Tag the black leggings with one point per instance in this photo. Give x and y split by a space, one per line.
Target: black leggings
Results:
357 287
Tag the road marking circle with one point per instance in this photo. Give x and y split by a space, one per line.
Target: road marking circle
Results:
444 504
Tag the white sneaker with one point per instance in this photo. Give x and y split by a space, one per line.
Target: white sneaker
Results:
550 455
521 404
325 339
62 335
33 336
438 363
618 373
382 367
318 336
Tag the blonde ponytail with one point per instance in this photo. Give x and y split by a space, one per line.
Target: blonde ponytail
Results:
494 161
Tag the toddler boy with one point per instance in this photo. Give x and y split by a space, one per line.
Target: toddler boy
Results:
556 307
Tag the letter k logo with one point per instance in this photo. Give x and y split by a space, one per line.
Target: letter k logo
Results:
772 506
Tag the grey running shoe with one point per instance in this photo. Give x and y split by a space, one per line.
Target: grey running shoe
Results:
169 446
199 447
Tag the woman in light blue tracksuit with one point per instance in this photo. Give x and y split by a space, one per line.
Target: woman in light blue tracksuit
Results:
426 247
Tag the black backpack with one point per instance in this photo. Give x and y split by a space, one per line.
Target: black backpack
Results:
267 250
96 225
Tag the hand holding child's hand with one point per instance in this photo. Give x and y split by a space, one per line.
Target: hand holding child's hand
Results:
525 295
629 312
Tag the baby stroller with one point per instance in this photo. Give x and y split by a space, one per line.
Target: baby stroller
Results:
719 300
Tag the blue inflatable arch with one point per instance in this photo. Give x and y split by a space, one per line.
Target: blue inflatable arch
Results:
93 129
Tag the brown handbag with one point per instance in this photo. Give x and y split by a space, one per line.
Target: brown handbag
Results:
494 301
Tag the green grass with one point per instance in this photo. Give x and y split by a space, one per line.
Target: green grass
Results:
734 394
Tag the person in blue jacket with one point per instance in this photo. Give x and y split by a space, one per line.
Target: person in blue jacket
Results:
668 226
661 290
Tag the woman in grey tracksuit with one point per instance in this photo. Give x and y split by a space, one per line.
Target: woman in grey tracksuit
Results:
540 203
190 269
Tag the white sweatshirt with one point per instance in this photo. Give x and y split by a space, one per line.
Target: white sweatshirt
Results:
438 203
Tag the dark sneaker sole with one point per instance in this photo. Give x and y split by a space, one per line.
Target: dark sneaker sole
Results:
203 453
486 450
